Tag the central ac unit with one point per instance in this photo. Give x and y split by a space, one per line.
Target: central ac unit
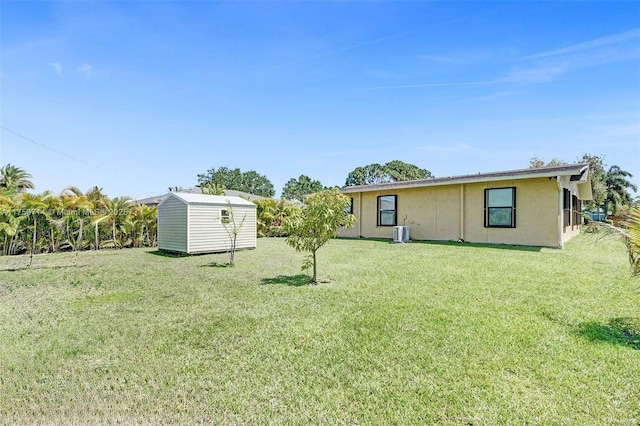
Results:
400 234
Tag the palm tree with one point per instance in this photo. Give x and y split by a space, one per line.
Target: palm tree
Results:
617 186
77 208
35 206
12 177
9 221
116 210
98 207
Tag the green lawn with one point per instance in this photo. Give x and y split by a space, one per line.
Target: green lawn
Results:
421 333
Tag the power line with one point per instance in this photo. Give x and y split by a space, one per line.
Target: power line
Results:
51 149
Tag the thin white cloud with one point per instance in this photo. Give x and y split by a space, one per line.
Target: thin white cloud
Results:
449 148
592 44
531 75
417 86
86 69
57 67
547 66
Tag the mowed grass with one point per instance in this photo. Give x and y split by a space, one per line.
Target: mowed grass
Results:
420 333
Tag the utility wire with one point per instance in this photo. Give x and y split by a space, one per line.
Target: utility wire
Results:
51 149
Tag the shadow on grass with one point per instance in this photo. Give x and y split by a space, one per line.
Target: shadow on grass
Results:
290 280
450 243
479 245
623 331
167 254
216 265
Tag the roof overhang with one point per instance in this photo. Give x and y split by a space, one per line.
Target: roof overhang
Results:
576 172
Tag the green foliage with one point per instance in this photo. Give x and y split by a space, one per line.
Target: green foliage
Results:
537 162
598 187
250 182
610 189
212 188
392 171
617 187
298 189
15 178
271 214
317 222
41 223
629 232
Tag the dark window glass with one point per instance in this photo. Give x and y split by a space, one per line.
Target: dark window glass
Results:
387 212
500 208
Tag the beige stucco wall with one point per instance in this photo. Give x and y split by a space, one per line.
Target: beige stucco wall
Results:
450 212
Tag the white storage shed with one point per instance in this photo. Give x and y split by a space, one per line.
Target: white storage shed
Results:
198 223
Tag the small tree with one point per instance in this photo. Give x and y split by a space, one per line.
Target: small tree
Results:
316 223
233 229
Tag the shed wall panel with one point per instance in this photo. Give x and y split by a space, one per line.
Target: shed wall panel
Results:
207 233
172 226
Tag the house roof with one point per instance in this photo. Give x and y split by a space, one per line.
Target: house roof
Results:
208 199
577 172
156 199
228 192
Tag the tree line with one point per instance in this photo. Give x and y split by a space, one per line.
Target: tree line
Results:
75 220
72 220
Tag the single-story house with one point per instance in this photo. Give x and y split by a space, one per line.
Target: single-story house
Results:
534 207
201 223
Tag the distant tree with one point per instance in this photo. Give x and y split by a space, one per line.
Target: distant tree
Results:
317 222
297 189
251 181
617 186
257 184
393 171
537 162
401 171
368 175
12 177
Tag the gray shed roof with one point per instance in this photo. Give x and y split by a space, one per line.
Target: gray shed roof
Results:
220 200
578 172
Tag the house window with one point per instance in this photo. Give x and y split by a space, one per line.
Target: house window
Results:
576 209
387 210
349 209
566 197
500 208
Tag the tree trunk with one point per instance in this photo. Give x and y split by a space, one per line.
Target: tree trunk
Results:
232 255
79 240
33 242
314 280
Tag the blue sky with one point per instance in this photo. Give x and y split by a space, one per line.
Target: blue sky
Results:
138 96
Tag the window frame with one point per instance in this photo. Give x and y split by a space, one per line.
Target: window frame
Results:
395 210
566 208
512 207
225 216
